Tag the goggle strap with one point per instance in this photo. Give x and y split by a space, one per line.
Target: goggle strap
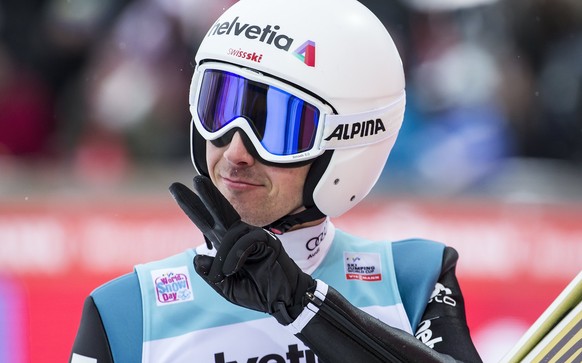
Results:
360 129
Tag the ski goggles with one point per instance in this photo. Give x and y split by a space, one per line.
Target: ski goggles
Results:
284 124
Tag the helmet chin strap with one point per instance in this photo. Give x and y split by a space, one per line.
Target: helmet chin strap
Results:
289 221
311 212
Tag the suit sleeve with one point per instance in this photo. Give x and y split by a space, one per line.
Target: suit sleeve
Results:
91 340
111 328
339 332
443 325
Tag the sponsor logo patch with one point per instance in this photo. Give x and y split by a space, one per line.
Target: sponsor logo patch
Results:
312 244
252 56
172 285
264 34
424 334
441 294
294 354
269 34
357 130
362 266
306 53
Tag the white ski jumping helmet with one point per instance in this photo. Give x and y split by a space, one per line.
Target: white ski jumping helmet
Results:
331 79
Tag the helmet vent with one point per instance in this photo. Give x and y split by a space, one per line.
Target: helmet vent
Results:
336 182
352 198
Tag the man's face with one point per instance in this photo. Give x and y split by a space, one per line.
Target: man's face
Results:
261 194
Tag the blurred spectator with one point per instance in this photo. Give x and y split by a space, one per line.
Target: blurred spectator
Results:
546 37
456 132
137 83
26 119
44 44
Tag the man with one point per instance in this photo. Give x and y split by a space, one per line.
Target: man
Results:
296 106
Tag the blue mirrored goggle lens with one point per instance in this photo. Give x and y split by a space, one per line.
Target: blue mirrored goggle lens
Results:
283 123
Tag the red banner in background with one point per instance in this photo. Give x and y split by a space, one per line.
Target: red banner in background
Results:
514 260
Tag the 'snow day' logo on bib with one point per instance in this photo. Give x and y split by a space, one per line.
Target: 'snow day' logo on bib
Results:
362 266
172 285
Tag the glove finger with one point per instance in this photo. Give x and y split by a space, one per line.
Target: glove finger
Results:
205 267
249 245
202 264
195 209
192 206
220 209
231 237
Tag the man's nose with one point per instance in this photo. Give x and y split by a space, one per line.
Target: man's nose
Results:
236 151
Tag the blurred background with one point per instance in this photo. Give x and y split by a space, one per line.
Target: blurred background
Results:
94 126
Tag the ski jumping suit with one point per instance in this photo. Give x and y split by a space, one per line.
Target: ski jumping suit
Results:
164 312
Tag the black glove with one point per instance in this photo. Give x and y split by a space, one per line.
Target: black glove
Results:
251 267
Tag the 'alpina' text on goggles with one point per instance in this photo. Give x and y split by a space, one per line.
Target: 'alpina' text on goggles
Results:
284 124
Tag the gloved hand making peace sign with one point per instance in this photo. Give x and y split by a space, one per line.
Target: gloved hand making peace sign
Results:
251 267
